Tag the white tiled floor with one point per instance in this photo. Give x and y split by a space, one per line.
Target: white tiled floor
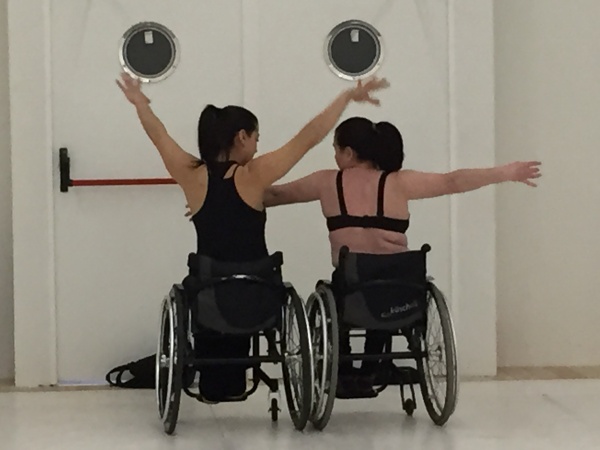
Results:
491 415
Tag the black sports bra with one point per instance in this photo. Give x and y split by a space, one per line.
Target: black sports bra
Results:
344 220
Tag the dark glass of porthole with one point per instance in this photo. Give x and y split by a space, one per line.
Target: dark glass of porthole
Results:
149 51
354 50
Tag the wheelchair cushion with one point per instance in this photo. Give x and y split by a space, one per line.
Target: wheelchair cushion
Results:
238 305
381 292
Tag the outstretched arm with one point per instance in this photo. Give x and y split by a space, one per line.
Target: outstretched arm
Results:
275 165
419 185
304 190
177 162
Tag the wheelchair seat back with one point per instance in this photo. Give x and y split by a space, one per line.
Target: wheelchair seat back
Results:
381 292
234 297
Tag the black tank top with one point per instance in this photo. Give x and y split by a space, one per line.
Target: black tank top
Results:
227 228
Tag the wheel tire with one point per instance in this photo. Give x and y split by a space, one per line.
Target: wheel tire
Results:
162 370
298 387
439 409
409 407
274 410
321 305
170 360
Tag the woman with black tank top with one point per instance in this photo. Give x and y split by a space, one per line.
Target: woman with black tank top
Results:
365 204
225 187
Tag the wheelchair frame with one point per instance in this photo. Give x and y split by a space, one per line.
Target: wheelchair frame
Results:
324 322
175 360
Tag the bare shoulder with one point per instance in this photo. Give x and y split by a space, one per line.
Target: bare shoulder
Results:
407 177
194 186
399 181
325 175
420 185
318 181
194 177
402 174
397 177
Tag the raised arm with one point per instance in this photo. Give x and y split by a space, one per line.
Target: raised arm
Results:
275 165
419 185
177 162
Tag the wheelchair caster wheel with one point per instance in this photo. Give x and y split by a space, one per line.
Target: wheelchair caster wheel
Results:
274 409
409 407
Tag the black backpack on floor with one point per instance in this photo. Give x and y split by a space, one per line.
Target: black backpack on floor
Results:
142 374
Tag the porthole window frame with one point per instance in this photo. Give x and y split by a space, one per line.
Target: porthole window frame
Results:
156 27
366 27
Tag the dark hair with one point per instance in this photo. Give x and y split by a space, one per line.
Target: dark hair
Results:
218 127
379 143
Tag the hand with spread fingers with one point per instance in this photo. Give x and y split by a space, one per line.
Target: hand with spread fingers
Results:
132 89
363 92
523 172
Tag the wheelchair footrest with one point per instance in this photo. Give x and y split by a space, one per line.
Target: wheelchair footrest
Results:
349 395
240 398
396 376
355 386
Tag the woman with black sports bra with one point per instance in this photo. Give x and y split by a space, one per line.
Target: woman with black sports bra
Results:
365 203
225 187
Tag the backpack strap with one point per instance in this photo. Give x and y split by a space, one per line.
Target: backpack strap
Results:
119 371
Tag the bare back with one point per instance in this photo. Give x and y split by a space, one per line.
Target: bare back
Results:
360 191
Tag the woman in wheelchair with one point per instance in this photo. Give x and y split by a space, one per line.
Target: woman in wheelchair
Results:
366 206
224 189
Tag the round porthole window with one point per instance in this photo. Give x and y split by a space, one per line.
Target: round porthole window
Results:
149 51
353 50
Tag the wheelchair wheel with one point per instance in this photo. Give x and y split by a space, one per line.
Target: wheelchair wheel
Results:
274 409
297 367
323 322
438 369
170 357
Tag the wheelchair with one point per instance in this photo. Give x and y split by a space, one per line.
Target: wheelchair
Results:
393 296
222 304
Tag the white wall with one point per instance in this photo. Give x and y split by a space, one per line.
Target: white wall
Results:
463 71
473 215
6 272
547 99
548 245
